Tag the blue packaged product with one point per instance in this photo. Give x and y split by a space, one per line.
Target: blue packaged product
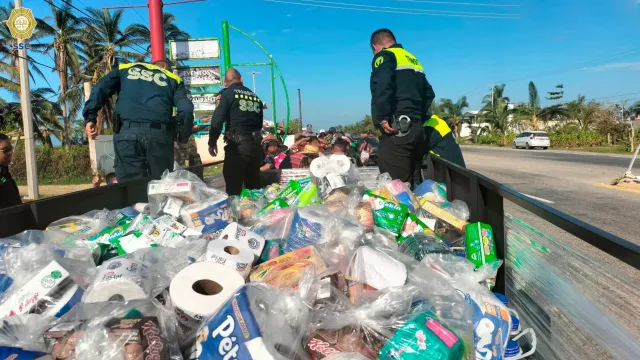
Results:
306 227
491 326
233 333
19 354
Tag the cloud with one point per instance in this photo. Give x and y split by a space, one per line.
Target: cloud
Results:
291 15
287 30
615 66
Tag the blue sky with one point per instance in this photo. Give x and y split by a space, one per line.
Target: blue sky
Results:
325 51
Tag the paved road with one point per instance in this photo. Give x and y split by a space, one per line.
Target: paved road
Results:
573 183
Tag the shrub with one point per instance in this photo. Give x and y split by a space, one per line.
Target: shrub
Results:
577 139
53 163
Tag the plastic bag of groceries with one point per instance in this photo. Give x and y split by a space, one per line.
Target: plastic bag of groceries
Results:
492 320
84 225
138 329
333 173
257 322
22 337
47 275
396 190
181 194
143 274
392 323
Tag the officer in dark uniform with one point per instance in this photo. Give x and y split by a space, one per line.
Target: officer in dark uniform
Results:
440 141
9 194
241 110
400 99
144 129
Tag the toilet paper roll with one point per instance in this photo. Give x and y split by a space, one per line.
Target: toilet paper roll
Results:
118 279
376 269
231 255
339 164
307 227
142 208
319 166
246 238
199 290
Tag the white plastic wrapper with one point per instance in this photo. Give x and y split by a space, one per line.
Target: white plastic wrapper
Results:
140 329
142 274
578 307
333 172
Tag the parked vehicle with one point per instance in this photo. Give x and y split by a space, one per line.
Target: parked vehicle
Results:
532 139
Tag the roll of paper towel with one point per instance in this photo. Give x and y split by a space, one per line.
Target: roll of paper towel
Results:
376 269
307 227
199 290
231 254
338 164
118 279
319 166
246 238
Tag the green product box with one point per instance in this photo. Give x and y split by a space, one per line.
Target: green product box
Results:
479 244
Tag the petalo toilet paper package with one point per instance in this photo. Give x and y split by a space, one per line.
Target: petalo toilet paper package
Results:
244 236
199 290
244 327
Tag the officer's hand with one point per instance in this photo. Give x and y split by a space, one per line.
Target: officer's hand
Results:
387 128
91 130
213 151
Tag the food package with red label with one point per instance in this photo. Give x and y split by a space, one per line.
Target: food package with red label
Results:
287 270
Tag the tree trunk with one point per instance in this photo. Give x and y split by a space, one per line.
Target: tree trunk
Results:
609 138
63 91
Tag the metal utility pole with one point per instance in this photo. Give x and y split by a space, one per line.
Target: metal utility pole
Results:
27 121
300 107
254 73
156 28
156 24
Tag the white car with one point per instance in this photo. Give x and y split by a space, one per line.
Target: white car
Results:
532 139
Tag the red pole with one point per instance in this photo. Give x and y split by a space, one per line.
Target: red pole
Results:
157 30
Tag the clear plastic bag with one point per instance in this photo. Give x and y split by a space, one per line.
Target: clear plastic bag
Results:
25 332
420 244
310 225
275 225
84 225
113 331
142 274
578 307
396 190
246 326
333 172
48 273
386 324
245 210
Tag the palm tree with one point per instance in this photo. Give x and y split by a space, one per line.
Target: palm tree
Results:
500 117
66 32
107 46
497 93
9 56
531 111
171 31
454 112
45 115
635 108
584 113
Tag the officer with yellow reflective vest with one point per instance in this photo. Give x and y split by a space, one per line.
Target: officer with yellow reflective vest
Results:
400 99
143 128
440 141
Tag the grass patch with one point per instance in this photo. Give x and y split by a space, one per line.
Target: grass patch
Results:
69 181
213 170
617 149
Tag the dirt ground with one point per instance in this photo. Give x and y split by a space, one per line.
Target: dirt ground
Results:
55 190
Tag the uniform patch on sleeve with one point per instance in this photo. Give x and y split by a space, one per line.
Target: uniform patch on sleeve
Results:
379 60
